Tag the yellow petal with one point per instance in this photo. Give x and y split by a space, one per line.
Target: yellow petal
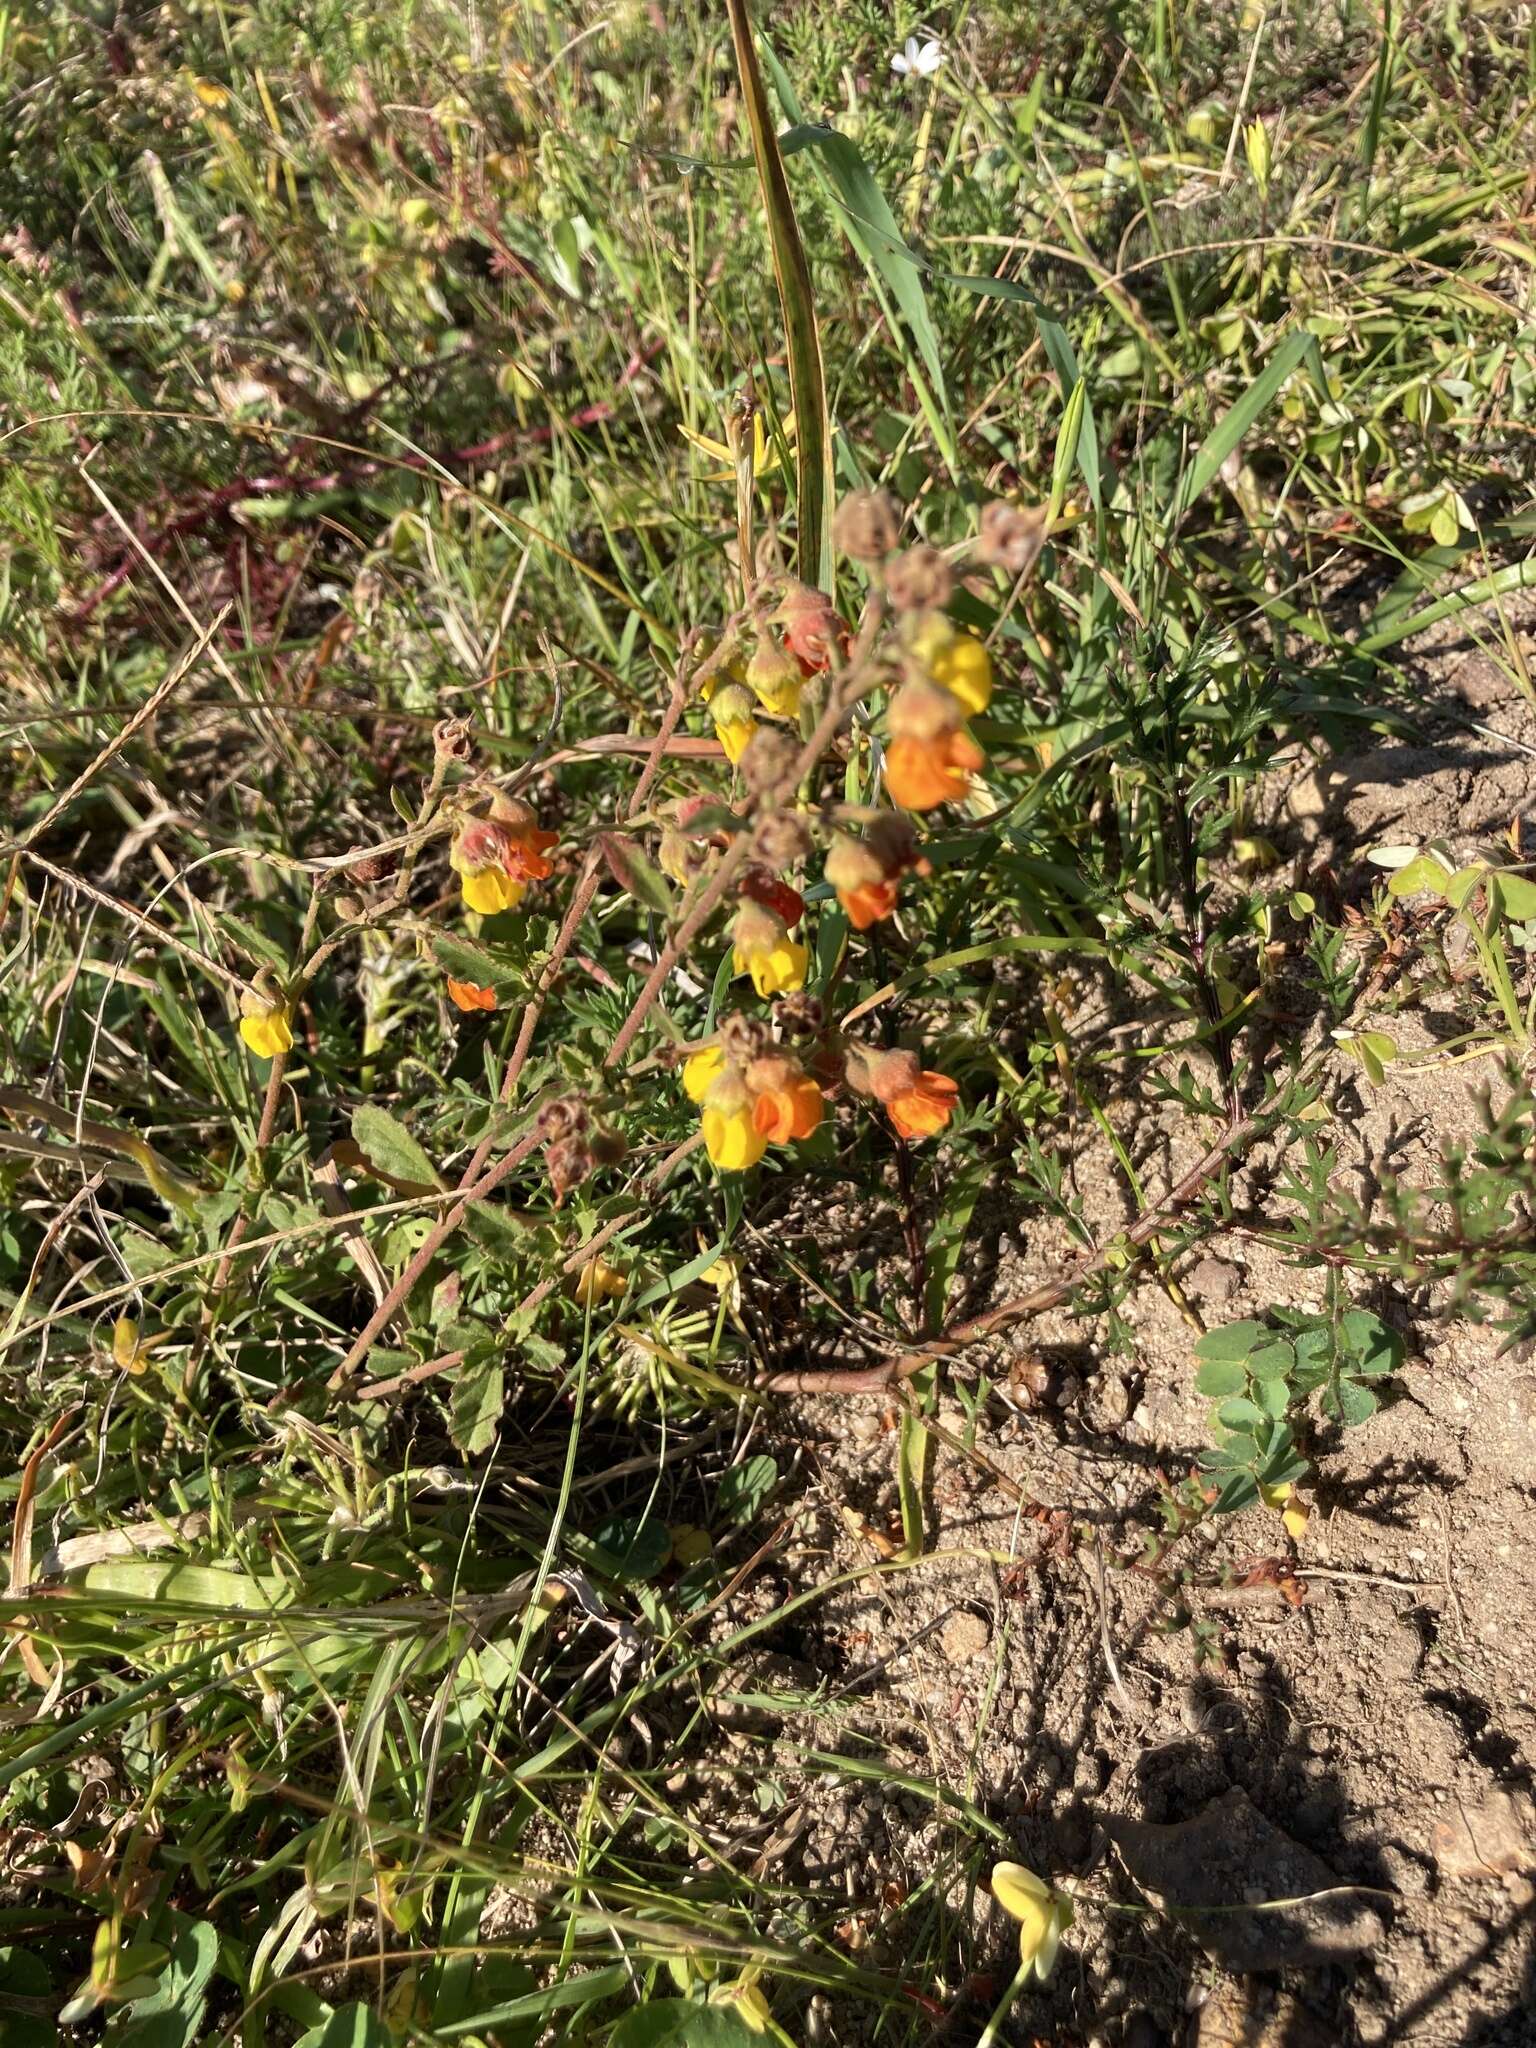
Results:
735 735
732 1140
491 891
267 1033
700 1070
716 448
964 668
1017 1890
780 970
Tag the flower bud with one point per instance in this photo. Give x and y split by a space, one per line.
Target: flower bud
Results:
372 867
451 741
781 839
768 760
811 625
568 1162
742 1039
851 864
775 678
867 526
919 580
799 1015
1011 536
564 1117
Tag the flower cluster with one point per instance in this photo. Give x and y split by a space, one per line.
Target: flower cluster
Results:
798 633
752 1094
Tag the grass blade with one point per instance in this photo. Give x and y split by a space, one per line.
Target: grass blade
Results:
807 378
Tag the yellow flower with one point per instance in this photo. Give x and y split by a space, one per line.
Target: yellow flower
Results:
1294 1512
964 668
761 946
748 2004
267 1028
775 679
731 1137
1043 1915
490 891
596 1281
732 709
765 453
700 1070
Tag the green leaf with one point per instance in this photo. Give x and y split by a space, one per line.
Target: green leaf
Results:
1219 1377
171 1582
1355 1403
635 874
634 1548
1422 876
872 228
1273 1396
807 379
479 1394
1373 1347
1232 1340
1231 429
1240 1491
25 1975
171 2016
350 2026
1241 1414
1517 894
679 2023
472 963
744 1489
1272 1361
389 1147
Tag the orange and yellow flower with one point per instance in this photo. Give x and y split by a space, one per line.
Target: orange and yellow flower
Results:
496 858
930 758
762 947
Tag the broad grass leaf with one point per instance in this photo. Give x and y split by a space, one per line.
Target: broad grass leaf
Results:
349 2026
807 377
1227 436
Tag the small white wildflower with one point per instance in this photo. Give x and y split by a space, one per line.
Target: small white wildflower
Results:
918 60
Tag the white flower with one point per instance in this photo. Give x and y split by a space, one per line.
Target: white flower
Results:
918 60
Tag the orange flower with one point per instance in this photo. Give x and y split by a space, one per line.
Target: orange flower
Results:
926 1107
468 995
930 759
787 1102
526 858
923 773
866 887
